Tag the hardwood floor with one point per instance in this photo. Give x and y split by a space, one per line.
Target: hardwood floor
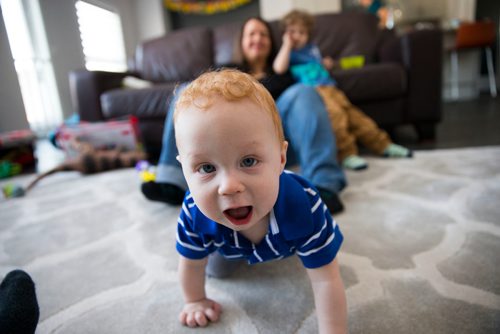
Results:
465 124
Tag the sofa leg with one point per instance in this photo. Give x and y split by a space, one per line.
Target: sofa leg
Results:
426 132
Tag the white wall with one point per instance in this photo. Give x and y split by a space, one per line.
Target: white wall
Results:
441 9
63 37
151 19
12 115
276 9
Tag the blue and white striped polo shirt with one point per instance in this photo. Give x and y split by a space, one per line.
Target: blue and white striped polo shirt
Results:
300 223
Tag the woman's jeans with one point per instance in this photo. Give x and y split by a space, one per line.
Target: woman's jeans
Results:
307 129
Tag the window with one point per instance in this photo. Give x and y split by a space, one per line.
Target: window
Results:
29 47
102 38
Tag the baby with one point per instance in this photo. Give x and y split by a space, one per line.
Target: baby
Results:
349 123
241 202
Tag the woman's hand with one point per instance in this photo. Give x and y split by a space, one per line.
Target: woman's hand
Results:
200 313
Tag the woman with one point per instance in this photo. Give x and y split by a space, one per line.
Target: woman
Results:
305 121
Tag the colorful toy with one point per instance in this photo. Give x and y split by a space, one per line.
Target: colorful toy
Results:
89 161
12 190
350 62
8 168
147 172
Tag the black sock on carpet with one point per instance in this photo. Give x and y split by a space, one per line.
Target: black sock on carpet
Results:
163 192
331 200
19 312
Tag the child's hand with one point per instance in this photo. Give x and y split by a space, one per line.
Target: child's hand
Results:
200 313
329 63
287 40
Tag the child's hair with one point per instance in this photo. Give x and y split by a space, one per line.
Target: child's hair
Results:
232 85
298 17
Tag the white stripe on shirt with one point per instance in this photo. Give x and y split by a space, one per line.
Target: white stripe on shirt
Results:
186 245
236 240
316 236
310 191
235 256
191 234
315 207
214 243
274 225
330 239
257 256
186 211
271 245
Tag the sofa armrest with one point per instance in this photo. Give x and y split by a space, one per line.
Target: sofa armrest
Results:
420 52
86 88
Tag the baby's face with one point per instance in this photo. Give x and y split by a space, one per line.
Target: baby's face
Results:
231 158
298 34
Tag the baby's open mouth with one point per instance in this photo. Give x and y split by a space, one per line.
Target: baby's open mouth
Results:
239 216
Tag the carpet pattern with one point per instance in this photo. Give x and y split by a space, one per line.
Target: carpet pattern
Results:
421 254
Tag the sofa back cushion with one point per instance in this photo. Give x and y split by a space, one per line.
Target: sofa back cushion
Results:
226 43
179 56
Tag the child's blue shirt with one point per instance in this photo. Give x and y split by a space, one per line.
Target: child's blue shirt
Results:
300 223
307 67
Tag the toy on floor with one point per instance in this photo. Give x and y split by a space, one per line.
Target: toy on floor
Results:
12 190
147 172
89 161
8 168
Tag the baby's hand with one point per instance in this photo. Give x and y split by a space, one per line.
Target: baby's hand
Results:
198 314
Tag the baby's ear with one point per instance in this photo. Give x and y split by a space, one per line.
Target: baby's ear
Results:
284 148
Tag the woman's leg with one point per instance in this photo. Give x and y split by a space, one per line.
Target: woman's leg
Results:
169 185
310 135
169 169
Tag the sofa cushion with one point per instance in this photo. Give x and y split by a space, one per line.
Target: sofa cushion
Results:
226 44
373 81
179 56
143 103
347 34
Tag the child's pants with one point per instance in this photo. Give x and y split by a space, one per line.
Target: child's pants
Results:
350 125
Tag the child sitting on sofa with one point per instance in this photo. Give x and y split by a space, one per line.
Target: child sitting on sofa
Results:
349 123
241 202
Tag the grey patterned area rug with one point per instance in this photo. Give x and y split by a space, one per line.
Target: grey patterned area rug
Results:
421 254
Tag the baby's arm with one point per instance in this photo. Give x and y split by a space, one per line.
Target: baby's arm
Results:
282 60
329 298
198 310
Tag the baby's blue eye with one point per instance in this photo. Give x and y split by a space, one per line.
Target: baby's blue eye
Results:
248 162
206 169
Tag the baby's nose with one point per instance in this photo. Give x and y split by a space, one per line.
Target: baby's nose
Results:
230 184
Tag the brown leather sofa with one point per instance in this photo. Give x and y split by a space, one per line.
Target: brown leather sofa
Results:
399 84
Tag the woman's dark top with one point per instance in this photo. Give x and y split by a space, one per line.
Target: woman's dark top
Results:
276 84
